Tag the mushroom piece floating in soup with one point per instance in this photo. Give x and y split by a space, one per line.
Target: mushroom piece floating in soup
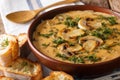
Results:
80 37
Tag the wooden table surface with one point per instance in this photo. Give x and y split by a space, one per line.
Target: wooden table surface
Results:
1 27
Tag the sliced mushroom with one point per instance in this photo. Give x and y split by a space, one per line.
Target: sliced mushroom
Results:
90 45
74 48
75 33
69 50
63 48
89 23
62 33
86 38
70 34
59 17
82 24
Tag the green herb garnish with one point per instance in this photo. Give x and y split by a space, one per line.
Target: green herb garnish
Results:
59 41
4 43
102 32
93 58
70 22
63 56
112 20
71 58
45 45
24 63
76 59
46 35
71 44
77 19
104 24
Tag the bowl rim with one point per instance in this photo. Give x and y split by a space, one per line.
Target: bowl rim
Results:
104 10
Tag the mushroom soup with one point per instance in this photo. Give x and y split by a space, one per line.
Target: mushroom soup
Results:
79 37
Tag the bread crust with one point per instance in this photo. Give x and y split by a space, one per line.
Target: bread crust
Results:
20 75
23 44
11 63
58 75
1 71
10 51
6 78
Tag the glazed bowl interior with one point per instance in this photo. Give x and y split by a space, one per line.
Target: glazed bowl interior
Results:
82 69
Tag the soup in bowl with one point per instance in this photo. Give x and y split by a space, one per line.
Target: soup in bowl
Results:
77 39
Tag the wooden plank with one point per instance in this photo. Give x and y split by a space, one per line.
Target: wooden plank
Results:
101 3
1 27
115 5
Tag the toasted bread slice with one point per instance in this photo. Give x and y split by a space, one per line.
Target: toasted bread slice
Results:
23 69
9 49
23 44
6 78
22 38
58 75
1 71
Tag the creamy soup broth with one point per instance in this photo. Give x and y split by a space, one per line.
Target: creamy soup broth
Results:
79 37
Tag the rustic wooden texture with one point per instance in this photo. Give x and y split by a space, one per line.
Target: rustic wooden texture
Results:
101 3
1 27
115 5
